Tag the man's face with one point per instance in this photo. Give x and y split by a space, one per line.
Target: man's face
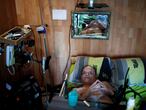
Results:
88 75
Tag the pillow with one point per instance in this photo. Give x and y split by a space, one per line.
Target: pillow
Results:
136 72
119 71
74 76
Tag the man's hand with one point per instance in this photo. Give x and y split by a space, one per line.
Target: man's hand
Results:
97 86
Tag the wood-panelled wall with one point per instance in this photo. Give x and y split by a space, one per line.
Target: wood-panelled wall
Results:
8 17
127 31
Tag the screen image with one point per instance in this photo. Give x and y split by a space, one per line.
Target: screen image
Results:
90 25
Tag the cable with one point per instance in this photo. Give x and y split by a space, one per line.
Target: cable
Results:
46 52
69 52
69 43
64 76
36 60
11 72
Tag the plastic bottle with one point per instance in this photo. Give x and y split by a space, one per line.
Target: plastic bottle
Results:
130 103
73 98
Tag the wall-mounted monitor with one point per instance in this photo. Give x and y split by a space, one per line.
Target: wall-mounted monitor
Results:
91 25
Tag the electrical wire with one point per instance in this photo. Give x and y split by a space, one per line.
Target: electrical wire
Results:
69 43
69 53
36 55
11 72
64 76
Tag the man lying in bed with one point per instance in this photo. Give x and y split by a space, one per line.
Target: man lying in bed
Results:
94 89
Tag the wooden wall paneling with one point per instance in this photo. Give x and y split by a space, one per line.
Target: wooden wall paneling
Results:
61 37
126 30
28 12
33 17
46 8
144 45
139 45
115 46
37 55
61 49
8 17
86 45
132 49
58 31
79 46
144 24
109 47
102 47
74 50
47 14
94 50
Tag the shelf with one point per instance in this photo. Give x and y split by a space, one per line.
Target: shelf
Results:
95 5
15 35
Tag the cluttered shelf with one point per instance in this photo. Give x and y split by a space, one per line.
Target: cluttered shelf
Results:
15 35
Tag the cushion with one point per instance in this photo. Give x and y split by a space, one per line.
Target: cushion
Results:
81 62
76 68
136 72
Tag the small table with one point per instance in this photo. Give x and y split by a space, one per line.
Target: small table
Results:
60 103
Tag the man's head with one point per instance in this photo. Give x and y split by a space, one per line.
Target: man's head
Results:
88 75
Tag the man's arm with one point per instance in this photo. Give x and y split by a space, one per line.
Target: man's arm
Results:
107 89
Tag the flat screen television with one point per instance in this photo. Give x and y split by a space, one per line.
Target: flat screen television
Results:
89 24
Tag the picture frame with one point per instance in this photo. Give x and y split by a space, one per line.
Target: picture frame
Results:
91 24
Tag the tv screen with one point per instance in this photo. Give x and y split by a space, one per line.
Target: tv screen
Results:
91 24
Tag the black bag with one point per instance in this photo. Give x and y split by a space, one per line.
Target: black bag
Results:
24 95
119 94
